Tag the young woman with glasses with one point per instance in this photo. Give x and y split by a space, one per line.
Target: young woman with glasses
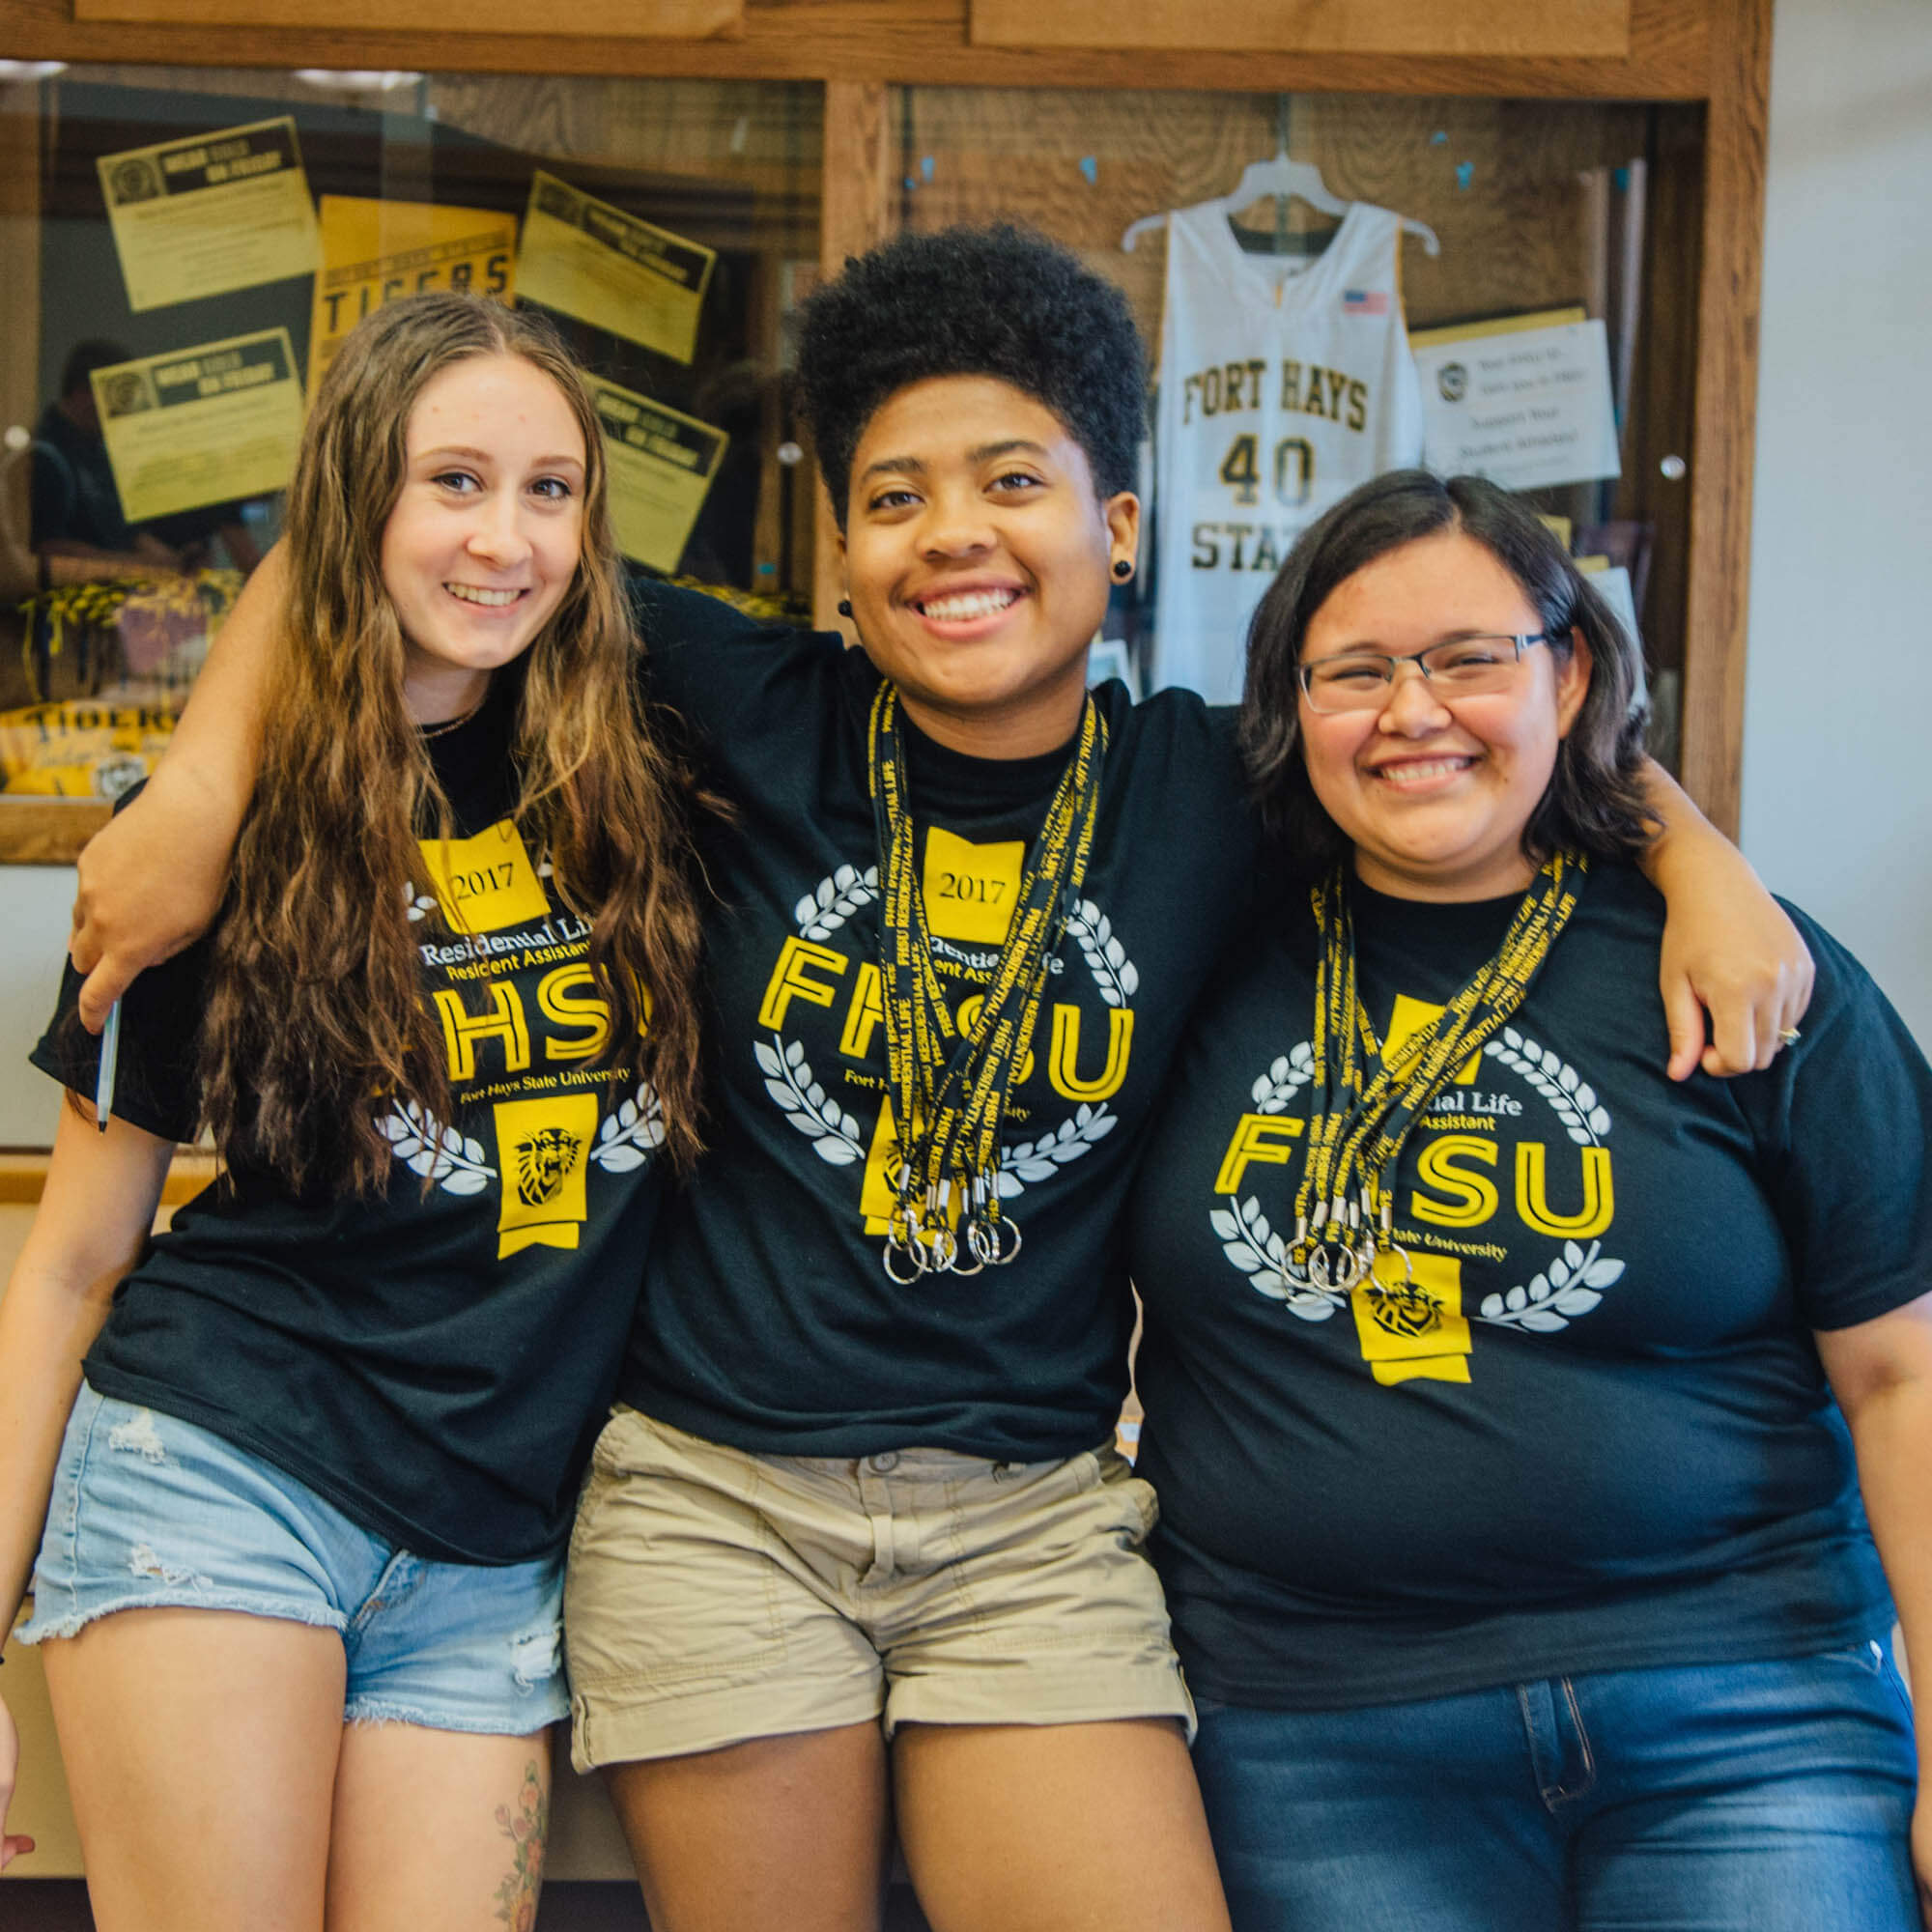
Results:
1511 1529
856 1544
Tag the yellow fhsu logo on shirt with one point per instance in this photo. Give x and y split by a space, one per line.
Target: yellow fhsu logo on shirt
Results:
1410 1322
543 1150
486 882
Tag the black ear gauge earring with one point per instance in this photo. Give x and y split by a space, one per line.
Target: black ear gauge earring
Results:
845 607
1123 568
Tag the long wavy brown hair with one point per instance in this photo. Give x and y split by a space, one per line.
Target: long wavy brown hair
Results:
317 1003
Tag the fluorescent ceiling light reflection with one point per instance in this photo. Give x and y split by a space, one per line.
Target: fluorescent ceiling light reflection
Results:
358 79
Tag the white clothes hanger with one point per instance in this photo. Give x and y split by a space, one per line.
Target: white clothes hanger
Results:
1282 177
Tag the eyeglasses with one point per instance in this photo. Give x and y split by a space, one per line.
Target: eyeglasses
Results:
1457 668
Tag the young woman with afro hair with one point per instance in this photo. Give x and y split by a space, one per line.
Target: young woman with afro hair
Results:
856 1552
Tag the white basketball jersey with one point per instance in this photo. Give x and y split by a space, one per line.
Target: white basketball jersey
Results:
1284 383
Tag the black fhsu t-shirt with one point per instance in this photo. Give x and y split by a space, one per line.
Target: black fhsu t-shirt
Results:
768 1321
436 1365
1601 1438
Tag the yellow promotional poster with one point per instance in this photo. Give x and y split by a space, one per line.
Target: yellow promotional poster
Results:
586 259
208 214
83 748
201 425
373 251
661 467
542 1150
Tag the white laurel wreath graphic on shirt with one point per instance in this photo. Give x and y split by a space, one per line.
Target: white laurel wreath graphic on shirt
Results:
1284 1080
836 898
1246 1238
836 1136
629 1136
1037 1160
1567 1288
456 1164
1261 1255
1116 976
1574 1102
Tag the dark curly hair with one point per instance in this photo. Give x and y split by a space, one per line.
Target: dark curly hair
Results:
1592 803
1000 301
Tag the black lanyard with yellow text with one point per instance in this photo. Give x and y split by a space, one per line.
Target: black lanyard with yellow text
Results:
1366 1103
949 1089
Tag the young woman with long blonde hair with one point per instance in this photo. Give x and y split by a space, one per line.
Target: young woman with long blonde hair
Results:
300 1582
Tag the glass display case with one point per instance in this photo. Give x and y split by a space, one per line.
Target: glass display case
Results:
185 247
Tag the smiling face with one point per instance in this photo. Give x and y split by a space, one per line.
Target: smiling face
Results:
484 538
978 559
1435 796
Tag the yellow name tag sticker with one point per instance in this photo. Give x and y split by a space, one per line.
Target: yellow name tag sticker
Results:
487 882
971 889
543 1153
1410 1322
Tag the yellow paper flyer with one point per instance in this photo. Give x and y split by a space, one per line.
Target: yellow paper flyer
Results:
373 251
201 425
661 467
215 212
586 259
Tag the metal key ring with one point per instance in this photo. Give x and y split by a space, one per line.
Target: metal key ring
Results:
967 1245
1401 1253
942 1249
903 1238
915 1250
1337 1279
994 1251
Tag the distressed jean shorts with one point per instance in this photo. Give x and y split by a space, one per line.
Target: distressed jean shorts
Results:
150 1512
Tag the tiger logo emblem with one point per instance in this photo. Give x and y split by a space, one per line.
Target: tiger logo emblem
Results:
545 1161
1403 1308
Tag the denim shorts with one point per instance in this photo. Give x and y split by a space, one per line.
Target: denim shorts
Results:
148 1512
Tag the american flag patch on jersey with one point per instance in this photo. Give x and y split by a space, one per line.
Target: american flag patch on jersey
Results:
1365 302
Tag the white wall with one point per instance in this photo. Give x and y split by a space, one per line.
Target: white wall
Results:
35 905
1837 776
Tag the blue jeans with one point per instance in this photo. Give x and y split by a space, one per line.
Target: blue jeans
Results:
1720 1798
150 1512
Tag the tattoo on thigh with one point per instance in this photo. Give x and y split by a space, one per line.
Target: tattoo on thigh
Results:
526 1824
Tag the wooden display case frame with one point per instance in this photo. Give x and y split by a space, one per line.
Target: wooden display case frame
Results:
1711 52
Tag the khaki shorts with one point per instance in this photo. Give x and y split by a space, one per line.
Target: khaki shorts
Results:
715 1596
